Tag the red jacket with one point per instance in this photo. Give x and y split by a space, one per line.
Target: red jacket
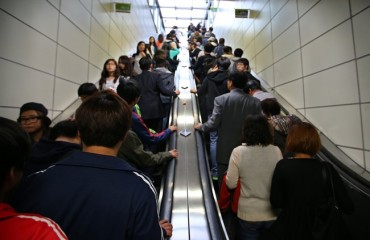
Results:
28 226
228 197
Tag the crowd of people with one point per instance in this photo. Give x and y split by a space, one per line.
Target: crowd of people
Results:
97 174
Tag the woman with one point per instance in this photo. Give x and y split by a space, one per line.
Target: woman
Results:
125 67
109 76
160 41
253 163
152 46
141 50
298 187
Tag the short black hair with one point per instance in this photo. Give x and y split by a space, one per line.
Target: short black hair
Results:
223 63
270 107
208 47
128 91
15 145
238 52
257 130
145 62
103 119
244 61
238 79
65 128
87 89
228 49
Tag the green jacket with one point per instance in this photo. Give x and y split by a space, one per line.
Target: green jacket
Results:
132 149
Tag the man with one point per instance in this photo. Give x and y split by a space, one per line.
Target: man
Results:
93 194
14 147
63 139
228 115
219 50
254 89
33 119
238 53
86 89
150 102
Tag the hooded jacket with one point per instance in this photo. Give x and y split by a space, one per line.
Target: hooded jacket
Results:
214 85
46 152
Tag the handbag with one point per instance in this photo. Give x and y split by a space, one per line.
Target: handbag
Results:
328 221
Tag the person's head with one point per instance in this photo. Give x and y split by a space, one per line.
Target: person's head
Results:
228 50
192 45
33 119
211 29
125 66
151 40
67 129
161 63
110 69
146 63
252 86
86 89
103 120
256 131
223 63
238 52
141 47
221 41
15 146
237 80
242 65
270 107
160 38
208 48
303 138
129 92
160 53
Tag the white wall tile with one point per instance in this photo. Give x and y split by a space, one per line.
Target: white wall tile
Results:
287 16
317 21
94 74
286 43
115 33
100 14
263 19
356 155
264 59
292 92
365 111
55 3
250 53
276 5
79 44
114 49
27 12
363 66
263 38
288 69
10 113
15 45
268 76
64 92
77 13
362 33
322 53
367 160
357 5
99 35
87 4
304 6
22 84
318 88
71 67
341 124
97 55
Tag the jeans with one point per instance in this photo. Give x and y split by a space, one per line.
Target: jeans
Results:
213 136
252 230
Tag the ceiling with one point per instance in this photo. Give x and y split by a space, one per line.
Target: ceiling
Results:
181 13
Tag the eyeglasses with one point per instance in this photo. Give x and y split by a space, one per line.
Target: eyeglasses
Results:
31 119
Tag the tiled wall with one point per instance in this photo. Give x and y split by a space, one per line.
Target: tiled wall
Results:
316 54
49 47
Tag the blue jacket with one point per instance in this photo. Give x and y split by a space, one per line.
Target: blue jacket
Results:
93 196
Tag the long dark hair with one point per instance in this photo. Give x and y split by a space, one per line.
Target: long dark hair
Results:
105 73
127 71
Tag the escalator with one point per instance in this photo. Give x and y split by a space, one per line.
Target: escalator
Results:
187 197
